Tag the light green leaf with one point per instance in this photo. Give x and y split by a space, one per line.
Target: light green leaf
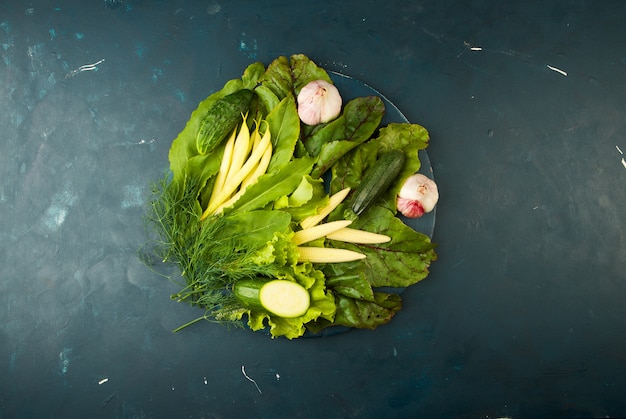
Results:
253 75
267 97
302 194
184 147
272 186
284 126
257 227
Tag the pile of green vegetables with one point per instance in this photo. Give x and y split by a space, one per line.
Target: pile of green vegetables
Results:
229 249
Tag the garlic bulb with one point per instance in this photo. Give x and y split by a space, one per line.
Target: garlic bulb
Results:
418 195
318 102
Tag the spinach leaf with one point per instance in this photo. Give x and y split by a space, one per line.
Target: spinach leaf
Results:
284 77
267 99
304 71
399 263
367 314
278 77
284 125
359 120
353 284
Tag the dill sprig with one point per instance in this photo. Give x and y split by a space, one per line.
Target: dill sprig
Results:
209 258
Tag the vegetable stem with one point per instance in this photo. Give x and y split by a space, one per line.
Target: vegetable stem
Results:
179 328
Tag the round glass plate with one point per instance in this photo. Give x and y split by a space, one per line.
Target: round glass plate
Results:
351 88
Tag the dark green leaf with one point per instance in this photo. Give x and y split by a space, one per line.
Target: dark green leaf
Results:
401 262
278 77
353 285
366 314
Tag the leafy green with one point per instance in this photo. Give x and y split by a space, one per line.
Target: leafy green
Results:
281 257
266 97
183 147
352 284
349 170
403 261
306 200
367 314
358 121
253 75
304 71
284 125
286 77
252 238
272 186
399 263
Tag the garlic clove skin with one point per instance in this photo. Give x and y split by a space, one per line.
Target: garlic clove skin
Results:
418 195
410 208
319 102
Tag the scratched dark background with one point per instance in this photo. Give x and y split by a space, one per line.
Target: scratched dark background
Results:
523 314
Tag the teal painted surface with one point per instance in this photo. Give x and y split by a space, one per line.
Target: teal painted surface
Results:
522 315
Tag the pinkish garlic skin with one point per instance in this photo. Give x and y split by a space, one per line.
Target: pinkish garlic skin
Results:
418 195
319 102
410 208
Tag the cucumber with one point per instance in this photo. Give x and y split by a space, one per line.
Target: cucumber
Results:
283 298
377 180
221 119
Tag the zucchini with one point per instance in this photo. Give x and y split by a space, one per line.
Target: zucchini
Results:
221 119
377 180
283 298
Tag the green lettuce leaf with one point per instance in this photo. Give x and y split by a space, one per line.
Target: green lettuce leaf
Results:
304 71
266 97
281 256
278 77
306 200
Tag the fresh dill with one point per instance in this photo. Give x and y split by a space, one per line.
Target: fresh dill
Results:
209 257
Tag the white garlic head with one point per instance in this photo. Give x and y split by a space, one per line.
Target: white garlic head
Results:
418 195
318 102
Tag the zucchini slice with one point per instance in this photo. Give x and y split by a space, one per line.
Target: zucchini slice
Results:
283 298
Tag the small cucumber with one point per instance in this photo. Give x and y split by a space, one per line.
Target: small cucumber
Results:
221 119
377 180
283 298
